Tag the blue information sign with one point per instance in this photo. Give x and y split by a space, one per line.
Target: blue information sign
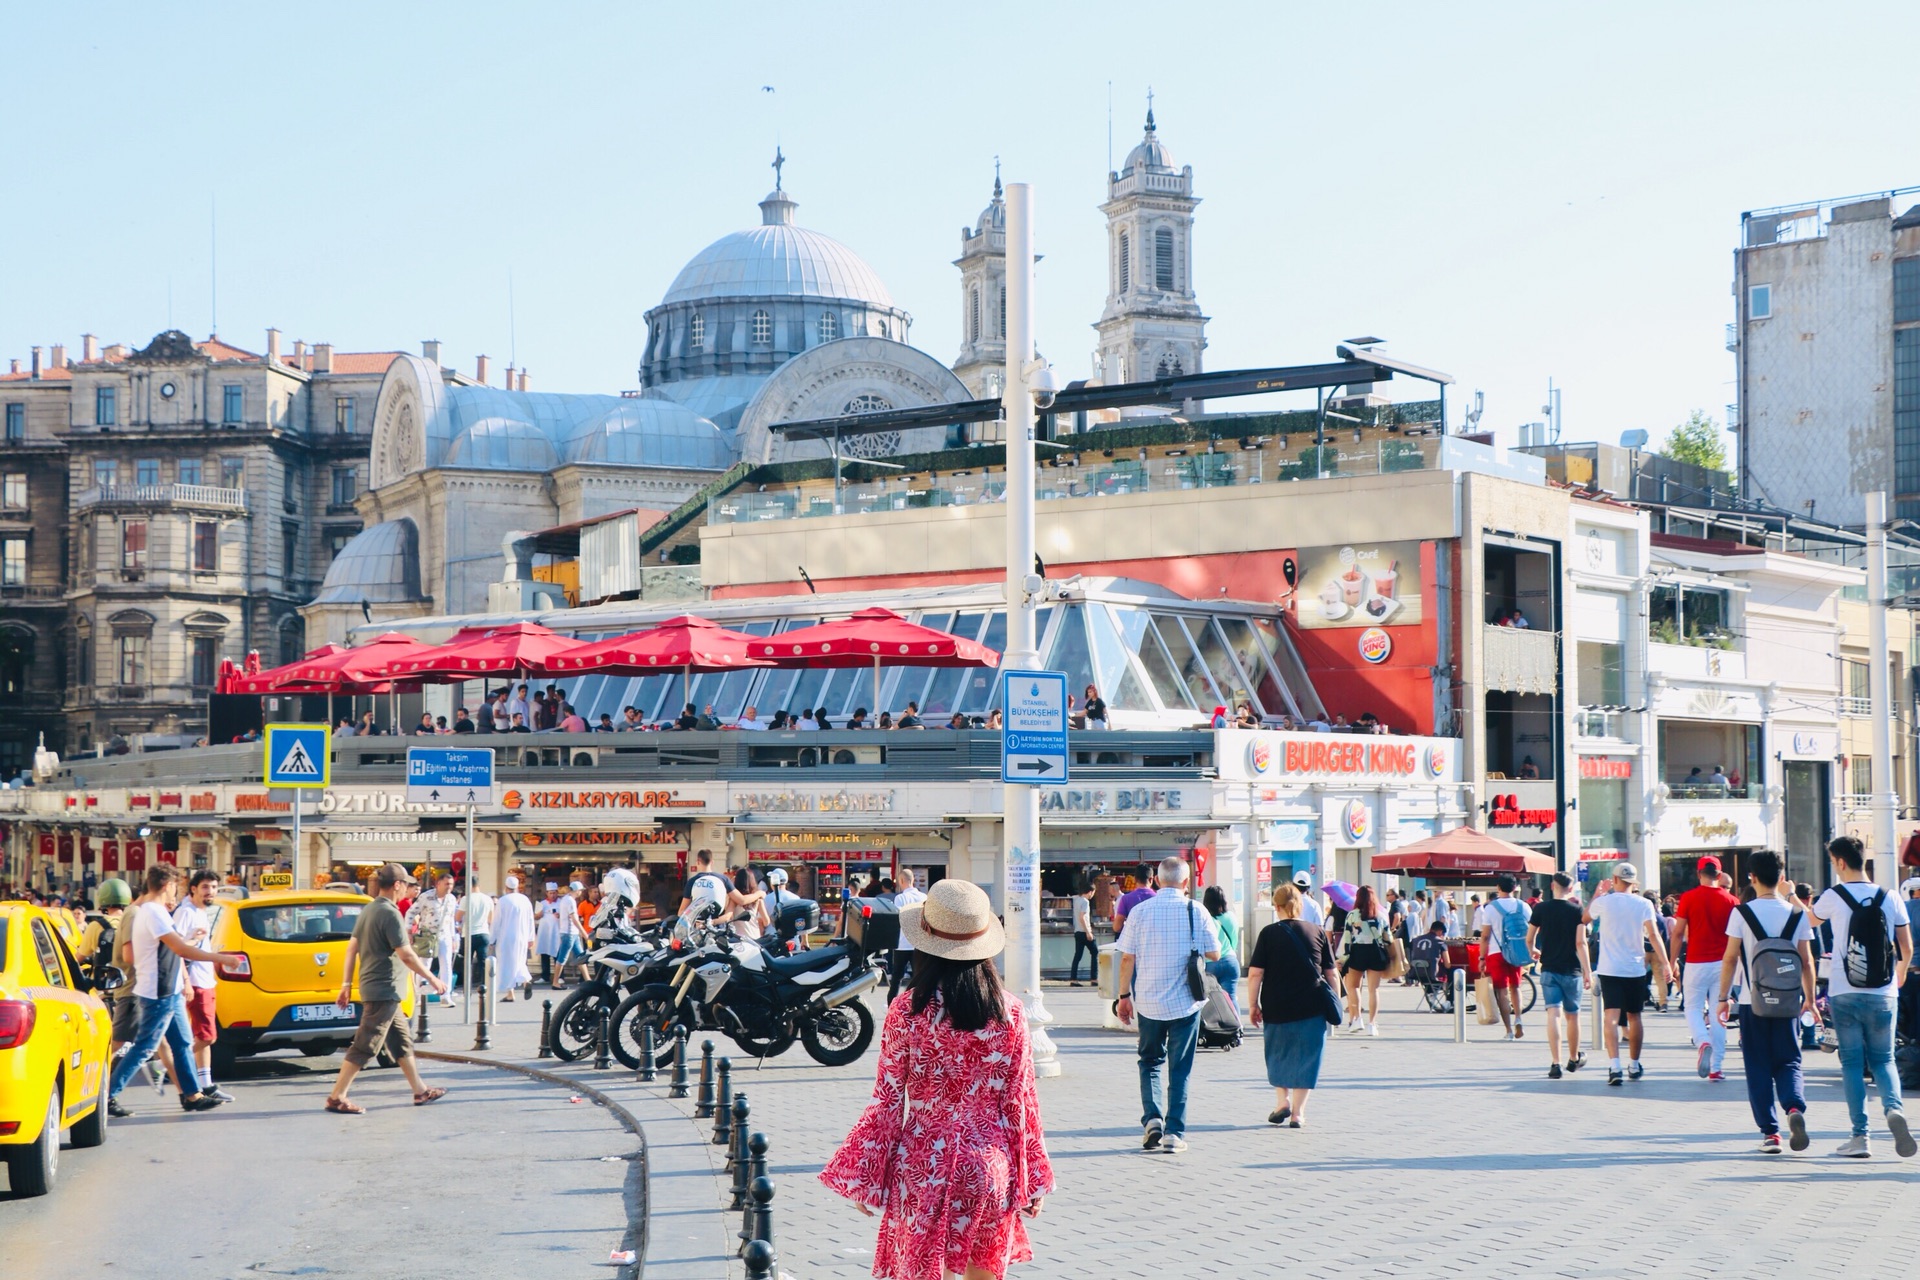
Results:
449 775
1033 744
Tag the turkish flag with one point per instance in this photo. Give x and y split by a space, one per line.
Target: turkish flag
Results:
109 855
136 855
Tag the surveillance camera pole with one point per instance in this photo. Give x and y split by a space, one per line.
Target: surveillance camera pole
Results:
1022 802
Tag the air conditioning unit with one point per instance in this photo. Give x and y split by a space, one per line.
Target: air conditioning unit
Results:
856 755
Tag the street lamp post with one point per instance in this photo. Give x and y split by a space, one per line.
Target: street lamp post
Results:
1885 800
1020 868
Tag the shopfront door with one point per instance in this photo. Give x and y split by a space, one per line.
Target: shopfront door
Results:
1807 819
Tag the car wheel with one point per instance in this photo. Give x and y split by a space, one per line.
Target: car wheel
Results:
92 1131
222 1058
33 1168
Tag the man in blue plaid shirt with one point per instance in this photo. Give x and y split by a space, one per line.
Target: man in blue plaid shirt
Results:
1160 934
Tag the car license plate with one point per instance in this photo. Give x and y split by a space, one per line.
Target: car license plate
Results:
324 1012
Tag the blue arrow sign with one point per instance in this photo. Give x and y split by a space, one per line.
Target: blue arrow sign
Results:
1033 743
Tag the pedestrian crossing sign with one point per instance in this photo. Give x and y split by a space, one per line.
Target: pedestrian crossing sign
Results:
297 755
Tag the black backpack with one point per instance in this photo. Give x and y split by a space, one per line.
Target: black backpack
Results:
100 963
1869 953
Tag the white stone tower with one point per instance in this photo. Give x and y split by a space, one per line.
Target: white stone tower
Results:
983 298
1152 326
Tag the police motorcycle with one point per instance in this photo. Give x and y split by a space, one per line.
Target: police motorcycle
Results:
766 997
615 968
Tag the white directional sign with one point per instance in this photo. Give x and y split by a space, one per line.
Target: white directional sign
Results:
1033 744
451 775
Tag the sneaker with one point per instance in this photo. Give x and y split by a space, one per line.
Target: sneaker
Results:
199 1102
1553 1072
1703 1061
1576 1062
1635 1071
157 1074
1174 1144
216 1092
1716 1076
1902 1135
1509 1035
1154 1131
1797 1126
1373 1029
1855 1148
1353 1028
1075 984
1770 1145
1615 1078
117 1111
1519 1032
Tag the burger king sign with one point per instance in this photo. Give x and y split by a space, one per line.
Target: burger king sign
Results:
1375 645
1259 757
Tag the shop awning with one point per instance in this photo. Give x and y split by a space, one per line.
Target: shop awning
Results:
1462 854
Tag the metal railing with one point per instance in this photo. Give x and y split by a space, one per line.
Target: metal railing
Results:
196 495
1856 708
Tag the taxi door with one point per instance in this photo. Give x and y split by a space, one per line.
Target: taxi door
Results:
62 1011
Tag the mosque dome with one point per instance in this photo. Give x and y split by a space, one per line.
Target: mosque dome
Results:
379 565
499 443
777 260
650 432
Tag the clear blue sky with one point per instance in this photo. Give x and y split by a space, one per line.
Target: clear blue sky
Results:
1509 193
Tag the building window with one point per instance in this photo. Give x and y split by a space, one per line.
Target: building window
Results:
697 333
233 473
762 329
289 552
346 485
337 542
1760 302
146 471
189 470
83 657
1170 366
16 422
232 404
106 473
1906 290
133 659
343 415
1003 314
290 489
829 326
1126 264
13 491
206 546
1906 411
105 404
973 317
13 562
1163 260
206 652
1860 777
886 330
133 545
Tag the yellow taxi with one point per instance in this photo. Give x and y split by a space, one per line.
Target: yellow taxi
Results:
55 1049
276 988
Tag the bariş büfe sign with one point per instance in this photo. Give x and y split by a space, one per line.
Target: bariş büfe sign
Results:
1347 757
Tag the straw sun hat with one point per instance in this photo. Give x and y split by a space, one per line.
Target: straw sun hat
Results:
956 922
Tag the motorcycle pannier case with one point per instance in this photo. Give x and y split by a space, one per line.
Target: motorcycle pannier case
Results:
873 923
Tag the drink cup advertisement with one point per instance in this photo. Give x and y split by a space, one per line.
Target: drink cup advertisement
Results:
1360 585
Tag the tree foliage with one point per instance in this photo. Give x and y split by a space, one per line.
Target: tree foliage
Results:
1697 440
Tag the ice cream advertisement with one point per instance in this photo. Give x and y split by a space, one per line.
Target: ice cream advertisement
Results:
1359 585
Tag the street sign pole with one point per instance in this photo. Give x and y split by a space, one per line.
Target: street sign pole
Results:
456 776
296 758
298 794
466 965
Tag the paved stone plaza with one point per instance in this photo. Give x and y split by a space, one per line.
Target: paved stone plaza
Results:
1422 1157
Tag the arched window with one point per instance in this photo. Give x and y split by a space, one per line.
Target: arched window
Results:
762 329
1170 366
1126 264
886 329
829 326
973 316
16 663
697 333
1163 260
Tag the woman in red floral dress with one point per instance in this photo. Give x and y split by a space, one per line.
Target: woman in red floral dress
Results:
950 1150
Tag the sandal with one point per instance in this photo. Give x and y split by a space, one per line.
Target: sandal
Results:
1280 1116
341 1107
431 1095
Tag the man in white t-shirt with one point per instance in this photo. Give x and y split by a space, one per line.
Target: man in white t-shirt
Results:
1863 1015
1769 1047
1626 921
1309 908
908 894
191 922
160 985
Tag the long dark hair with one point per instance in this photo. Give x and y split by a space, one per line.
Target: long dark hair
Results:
1363 903
969 990
1214 901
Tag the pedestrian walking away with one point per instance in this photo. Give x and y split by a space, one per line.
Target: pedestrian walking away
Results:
1555 943
1225 970
951 1152
1365 950
512 942
1290 984
1163 948
1505 952
379 941
1872 950
160 986
1309 909
1700 930
1628 926
477 908
900 964
1083 937
1769 946
191 922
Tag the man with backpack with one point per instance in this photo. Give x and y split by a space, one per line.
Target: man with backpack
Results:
1769 941
1504 952
1871 951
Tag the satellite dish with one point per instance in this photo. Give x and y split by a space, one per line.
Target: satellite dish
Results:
1633 439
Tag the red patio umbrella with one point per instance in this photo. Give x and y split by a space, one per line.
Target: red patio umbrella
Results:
237 680
686 643
1460 855
355 670
872 636
518 647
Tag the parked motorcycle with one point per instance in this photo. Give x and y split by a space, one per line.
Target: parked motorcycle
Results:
613 970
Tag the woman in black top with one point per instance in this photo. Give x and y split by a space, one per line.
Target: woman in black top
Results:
1290 959
1095 709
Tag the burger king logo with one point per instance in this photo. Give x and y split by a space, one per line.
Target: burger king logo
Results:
1358 821
1259 756
511 800
1436 760
1375 645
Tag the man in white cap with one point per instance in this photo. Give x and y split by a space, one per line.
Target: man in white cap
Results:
1309 909
512 942
552 914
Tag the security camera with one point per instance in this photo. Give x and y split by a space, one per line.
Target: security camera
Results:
1044 387
1034 584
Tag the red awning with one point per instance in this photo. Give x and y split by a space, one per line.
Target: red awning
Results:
523 647
678 644
879 637
1462 854
361 669
237 680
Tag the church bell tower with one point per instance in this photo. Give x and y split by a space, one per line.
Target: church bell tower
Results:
1152 326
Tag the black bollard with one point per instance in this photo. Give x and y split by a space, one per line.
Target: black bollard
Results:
424 1035
756 1173
482 1036
678 1087
546 1030
647 1050
703 1100
761 1261
602 1030
739 1157
762 1193
723 1107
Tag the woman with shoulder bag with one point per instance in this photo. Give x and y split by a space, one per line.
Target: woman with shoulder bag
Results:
1290 981
1365 953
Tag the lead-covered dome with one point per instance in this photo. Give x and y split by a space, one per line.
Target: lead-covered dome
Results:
777 260
379 565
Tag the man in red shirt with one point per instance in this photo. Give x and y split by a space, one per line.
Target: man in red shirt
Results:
1700 923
